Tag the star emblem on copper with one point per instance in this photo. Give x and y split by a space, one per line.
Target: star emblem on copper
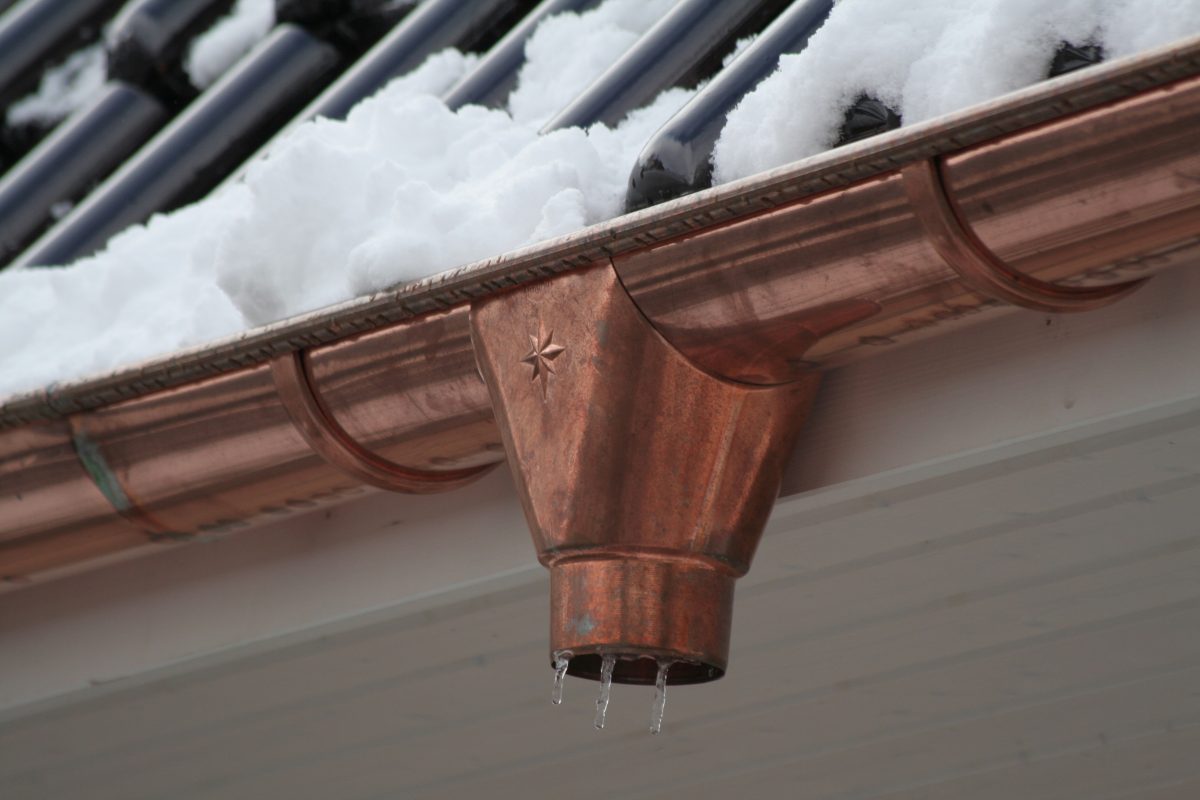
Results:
542 351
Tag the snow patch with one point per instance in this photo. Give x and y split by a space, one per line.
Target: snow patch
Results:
925 58
231 37
63 89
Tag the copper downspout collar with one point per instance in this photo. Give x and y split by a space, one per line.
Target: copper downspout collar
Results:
321 431
643 608
978 267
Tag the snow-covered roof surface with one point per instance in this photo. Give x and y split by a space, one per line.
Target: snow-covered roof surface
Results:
405 186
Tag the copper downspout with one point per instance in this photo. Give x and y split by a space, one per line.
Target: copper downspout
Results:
760 282
646 481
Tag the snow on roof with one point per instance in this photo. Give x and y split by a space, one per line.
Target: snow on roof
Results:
216 50
926 58
405 187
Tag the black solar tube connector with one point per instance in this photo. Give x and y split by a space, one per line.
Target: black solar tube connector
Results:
867 116
352 25
148 41
1070 57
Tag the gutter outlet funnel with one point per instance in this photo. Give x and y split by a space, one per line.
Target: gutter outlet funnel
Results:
646 480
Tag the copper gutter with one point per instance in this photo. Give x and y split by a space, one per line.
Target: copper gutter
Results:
1090 180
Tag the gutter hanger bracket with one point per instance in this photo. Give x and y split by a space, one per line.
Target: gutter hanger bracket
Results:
318 427
978 267
646 480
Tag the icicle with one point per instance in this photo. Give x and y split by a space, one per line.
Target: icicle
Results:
660 697
561 661
606 673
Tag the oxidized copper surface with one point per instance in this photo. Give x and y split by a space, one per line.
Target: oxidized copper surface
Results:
210 458
646 481
54 514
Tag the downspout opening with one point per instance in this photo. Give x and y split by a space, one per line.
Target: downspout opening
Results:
643 670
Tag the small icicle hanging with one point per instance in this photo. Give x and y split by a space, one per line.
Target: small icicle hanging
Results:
660 697
606 673
561 662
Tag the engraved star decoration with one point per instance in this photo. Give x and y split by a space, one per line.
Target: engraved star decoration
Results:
542 350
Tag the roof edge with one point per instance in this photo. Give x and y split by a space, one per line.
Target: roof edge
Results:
1040 103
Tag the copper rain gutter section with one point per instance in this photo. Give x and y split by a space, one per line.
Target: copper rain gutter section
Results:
746 289
1095 199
